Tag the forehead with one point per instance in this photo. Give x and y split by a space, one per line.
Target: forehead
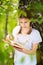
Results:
24 19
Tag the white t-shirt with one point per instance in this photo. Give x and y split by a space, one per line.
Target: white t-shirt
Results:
28 40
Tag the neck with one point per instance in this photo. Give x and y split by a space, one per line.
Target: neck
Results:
26 30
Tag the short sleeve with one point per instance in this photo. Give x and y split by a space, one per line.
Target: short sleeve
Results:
16 30
36 37
15 33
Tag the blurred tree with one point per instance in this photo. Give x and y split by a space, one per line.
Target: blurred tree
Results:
35 7
9 10
8 15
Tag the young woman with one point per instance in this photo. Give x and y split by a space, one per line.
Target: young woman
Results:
27 40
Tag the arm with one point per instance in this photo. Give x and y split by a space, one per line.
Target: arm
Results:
21 48
32 51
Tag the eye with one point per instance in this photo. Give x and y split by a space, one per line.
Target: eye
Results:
25 21
21 22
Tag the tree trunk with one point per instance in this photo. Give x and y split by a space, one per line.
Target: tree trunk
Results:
6 24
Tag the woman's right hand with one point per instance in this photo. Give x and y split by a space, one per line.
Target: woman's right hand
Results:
8 37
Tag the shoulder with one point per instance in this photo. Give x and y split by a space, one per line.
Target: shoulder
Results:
36 35
35 31
16 30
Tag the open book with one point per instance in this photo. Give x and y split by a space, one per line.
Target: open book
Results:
19 46
15 45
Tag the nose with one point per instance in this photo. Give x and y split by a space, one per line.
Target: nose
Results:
23 24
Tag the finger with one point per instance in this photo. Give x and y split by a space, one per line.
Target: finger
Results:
4 40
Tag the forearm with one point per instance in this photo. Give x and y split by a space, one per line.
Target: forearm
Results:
27 51
24 50
32 51
21 48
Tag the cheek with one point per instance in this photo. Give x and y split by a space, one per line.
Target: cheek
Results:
28 24
21 25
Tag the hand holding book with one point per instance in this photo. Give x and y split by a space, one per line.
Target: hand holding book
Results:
9 39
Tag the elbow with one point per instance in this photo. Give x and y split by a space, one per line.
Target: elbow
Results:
31 52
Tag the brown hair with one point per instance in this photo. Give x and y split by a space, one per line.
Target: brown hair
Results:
28 31
23 16
27 16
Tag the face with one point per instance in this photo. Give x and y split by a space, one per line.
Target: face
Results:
24 22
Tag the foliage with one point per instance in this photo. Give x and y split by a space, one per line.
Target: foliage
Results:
9 13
